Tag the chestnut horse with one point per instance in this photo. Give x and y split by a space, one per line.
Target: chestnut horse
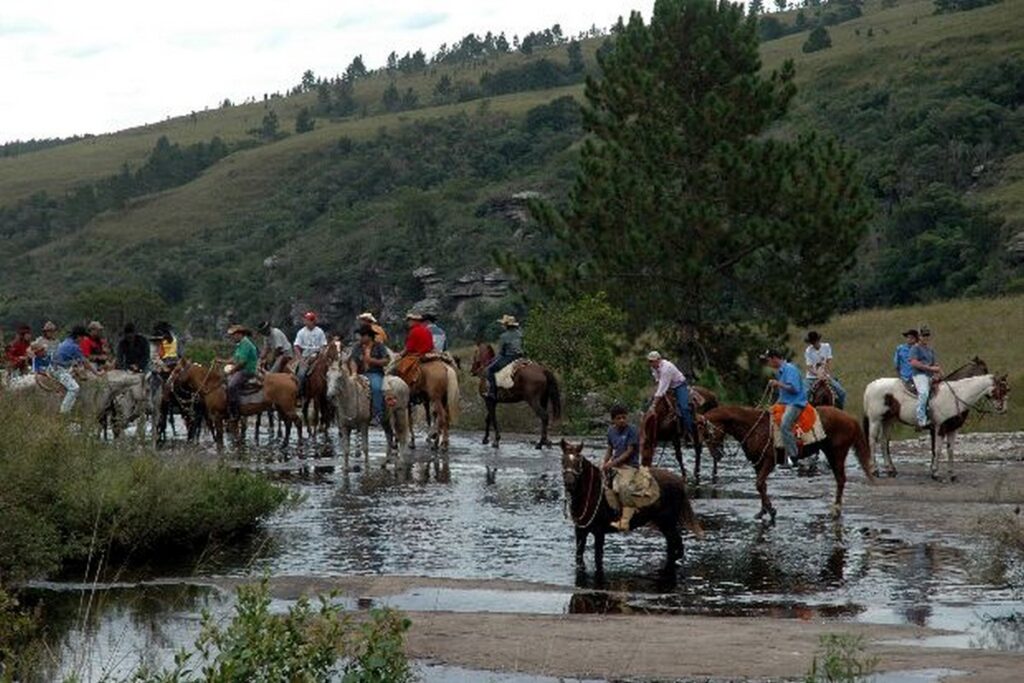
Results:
750 427
591 514
532 383
316 392
661 423
280 392
437 386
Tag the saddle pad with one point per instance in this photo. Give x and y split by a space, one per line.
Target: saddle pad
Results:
635 488
808 428
506 377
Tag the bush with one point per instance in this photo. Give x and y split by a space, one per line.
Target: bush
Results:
817 40
305 644
948 6
841 659
67 496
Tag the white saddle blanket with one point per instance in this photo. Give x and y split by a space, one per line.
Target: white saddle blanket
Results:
506 377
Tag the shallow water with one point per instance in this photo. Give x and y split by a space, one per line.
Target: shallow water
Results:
485 514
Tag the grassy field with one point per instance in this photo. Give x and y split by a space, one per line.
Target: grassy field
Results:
863 343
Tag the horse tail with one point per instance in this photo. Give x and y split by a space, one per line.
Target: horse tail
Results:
687 516
554 394
453 394
863 448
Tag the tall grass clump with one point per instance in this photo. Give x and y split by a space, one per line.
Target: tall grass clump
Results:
68 497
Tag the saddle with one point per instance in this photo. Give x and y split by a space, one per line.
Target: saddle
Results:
696 403
808 427
506 377
252 386
632 487
909 387
408 369
48 383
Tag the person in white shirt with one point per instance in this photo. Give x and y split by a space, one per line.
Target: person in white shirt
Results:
309 341
818 359
670 378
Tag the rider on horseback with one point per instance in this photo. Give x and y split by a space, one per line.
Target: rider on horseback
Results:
510 349
621 461
244 362
369 358
277 352
818 359
670 378
792 394
922 360
901 359
309 341
418 343
168 349
65 358
379 334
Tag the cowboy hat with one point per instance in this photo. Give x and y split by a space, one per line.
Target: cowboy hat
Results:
263 327
770 353
812 337
925 331
367 316
49 326
508 320
414 315
238 329
95 325
911 333
653 355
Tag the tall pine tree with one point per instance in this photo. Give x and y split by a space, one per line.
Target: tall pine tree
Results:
685 210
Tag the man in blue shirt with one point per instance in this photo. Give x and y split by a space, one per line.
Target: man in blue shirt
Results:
622 459
922 360
437 332
901 359
67 356
792 394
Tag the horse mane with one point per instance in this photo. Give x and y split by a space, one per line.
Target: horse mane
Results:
649 425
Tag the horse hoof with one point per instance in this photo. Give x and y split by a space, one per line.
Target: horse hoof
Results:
494 445
837 511
952 478
891 473
876 473
935 477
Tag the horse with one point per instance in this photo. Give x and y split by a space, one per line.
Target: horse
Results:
316 391
436 385
887 400
821 393
532 383
352 410
592 515
661 423
751 428
280 391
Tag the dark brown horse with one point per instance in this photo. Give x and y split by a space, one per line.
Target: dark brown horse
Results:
661 424
316 392
822 393
750 427
532 383
591 514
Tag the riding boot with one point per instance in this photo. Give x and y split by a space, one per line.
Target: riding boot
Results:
622 523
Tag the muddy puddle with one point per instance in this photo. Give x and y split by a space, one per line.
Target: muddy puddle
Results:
480 514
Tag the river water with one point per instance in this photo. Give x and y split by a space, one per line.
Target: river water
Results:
484 514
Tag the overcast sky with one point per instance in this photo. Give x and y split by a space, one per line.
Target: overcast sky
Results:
75 66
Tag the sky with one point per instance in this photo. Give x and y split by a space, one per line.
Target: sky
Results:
74 66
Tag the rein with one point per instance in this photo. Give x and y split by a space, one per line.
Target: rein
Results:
594 475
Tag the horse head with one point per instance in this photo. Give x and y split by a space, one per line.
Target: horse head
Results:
711 435
1000 392
334 379
573 462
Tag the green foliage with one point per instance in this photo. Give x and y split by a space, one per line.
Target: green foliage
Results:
269 128
305 645
538 74
682 208
304 121
20 647
116 306
68 496
578 339
841 659
576 63
817 40
947 6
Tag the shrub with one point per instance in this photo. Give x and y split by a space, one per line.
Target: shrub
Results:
948 6
305 644
817 40
841 659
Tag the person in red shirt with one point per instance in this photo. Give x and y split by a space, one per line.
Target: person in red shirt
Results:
17 351
94 347
418 342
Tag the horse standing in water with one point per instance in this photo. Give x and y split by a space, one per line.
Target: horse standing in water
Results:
532 383
592 515
661 423
316 392
436 384
887 401
751 428
354 412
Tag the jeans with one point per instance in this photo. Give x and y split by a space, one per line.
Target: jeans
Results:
788 437
376 393
301 372
683 406
923 384
64 376
837 389
235 384
493 369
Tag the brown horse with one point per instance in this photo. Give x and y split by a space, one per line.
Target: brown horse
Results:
316 392
280 392
822 393
532 383
591 514
436 385
661 423
750 426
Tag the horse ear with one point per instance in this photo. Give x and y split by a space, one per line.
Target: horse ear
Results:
563 444
581 446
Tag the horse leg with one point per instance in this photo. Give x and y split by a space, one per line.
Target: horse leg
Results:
890 468
677 445
697 451
488 408
442 425
412 428
541 411
673 543
838 464
599 553
494 422
934 468
766 466
581 547
950 438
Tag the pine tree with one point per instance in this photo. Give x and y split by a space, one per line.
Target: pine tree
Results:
391 98
756 7
683 209
818 39
308 80
576 63
304 121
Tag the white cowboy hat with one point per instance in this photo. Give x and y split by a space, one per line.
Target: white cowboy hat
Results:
413 315
95 325
508 320
653 355
239 329
367 316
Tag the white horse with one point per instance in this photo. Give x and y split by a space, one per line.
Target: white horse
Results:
887 400
351 400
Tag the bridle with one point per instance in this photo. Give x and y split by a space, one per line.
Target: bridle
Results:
594 475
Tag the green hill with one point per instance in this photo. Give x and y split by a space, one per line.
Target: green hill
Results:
338 218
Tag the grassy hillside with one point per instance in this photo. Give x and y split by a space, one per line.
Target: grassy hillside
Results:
864 342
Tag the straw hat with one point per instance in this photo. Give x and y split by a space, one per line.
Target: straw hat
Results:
368 317
508 320
49 326
654 355
414 315
238 329
95 326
